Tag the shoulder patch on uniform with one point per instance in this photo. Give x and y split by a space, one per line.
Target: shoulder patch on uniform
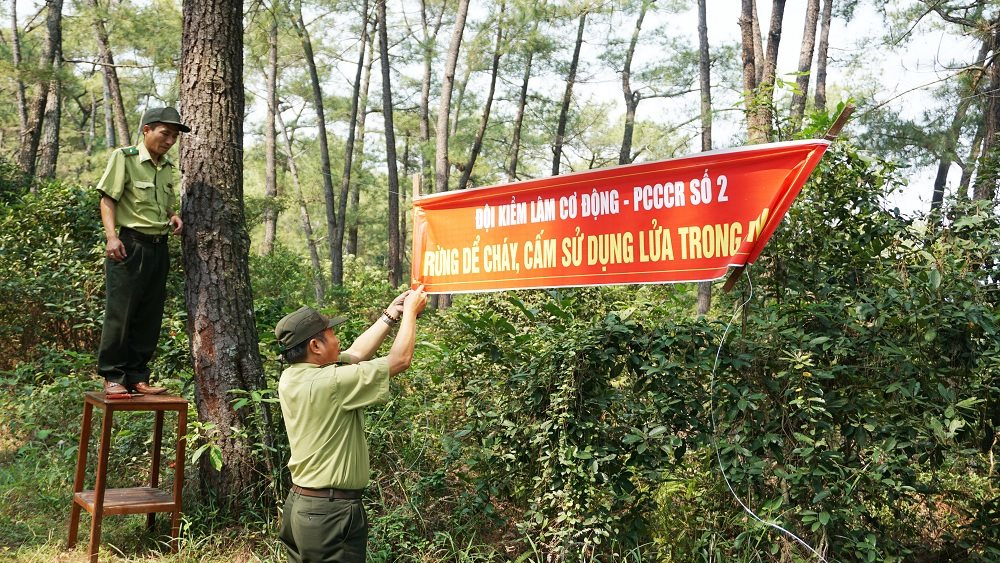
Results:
130 151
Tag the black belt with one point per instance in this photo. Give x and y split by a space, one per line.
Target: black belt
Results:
136 235
328 493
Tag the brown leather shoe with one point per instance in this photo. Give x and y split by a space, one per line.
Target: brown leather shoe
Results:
147 389
112 388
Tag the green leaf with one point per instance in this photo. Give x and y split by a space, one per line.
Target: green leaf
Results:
935 278
215 457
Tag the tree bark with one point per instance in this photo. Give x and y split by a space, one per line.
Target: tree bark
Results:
631 98
444 104
969 166
345 180
484 120
15 48
49 155
270 138
317 267
748 55
705 79
92 128
759 95
758 46
805 65
821 55
567 97
989 163
949 152
395 268
31 136
522 104
111 83
430 34
221 325
461 85
110 139
324 150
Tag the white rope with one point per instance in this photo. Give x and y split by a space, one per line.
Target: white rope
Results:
715 441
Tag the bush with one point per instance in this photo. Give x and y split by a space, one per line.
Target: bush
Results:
51 285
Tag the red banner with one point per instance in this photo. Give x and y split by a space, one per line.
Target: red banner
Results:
679 220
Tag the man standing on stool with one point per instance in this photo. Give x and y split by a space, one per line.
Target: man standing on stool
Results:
138 197
323 395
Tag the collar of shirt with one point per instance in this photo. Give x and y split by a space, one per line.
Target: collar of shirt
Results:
144 156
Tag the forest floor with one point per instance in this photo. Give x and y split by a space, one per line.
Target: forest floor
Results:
36 491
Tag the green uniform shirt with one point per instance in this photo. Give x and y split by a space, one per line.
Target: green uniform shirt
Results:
323 408
143 191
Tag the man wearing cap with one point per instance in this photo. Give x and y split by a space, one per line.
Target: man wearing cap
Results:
138 210
323 394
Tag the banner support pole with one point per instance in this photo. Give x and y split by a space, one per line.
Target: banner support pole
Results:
830 135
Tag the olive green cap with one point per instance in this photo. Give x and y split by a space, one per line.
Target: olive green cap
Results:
295 328
164 115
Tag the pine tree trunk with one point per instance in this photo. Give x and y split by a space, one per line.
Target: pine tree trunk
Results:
270 138
110 139
335 252
949 152
221 326
749 59
53 106
758 46
969 166
15 49
805 64
988 172
395 268
444 104
429 38
461 85
821 55
522 104
111 77
345 180
760 94
317 267
567 97
31 136
359 152
92 128
477 145
49 155
631 98
705 80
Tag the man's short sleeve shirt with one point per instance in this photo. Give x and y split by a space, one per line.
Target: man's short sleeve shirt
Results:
323 409
143 191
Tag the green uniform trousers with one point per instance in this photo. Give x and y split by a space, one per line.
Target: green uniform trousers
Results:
321 530
135 293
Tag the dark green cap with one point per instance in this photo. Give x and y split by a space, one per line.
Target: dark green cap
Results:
164 115
302 325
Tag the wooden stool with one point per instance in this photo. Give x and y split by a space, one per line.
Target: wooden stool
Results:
136 500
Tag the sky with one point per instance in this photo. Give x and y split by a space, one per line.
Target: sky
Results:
902 77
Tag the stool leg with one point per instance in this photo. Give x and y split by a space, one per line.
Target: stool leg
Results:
154 478
175 523
81 470
99 486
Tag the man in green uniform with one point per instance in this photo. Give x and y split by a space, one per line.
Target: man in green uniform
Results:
138 210
323 394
